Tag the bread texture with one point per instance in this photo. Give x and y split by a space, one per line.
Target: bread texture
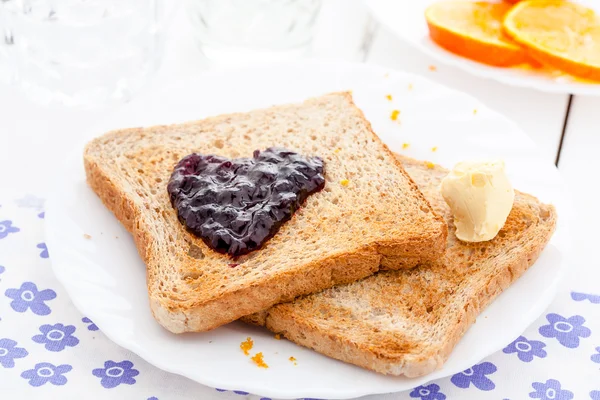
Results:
407 322
369 212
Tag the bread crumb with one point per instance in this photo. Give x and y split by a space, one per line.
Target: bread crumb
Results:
434 148
387 75
474 111
405 145
293 359
278 336
247 345
344 182
430 165
259 361
432 68
86 236
394 115
410 86
389 97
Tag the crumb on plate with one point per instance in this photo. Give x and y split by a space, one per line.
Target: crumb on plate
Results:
293 359
389 97
434 148
474 111
432 68
394 115
86 236
259 361
247 345
405 145
410 86
387 75
278 336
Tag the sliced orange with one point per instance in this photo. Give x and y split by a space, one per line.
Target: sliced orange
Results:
474 30
558 33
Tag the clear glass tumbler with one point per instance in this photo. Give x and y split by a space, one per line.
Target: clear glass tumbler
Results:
6 61
83 52
234 31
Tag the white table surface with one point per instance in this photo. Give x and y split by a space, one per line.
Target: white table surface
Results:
34 139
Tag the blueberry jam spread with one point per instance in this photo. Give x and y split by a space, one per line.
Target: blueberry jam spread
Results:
236 205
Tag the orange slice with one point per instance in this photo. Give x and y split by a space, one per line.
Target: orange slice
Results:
474 30
558 33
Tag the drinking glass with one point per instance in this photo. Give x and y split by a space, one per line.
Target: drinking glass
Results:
6 66
83 52
234 31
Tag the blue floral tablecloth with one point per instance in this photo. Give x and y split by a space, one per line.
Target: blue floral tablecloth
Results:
48 350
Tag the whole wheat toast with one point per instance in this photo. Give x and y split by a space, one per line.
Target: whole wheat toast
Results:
369 212
407 322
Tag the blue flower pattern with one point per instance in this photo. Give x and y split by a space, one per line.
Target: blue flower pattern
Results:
116 373
551 390
6 228
566 330
92 326
45 372
526 349
44 248
592 298
30 201
428 392
476 375
56 337
596 357
28 297
9 351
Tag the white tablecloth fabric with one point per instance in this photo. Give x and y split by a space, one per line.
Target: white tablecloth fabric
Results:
49 350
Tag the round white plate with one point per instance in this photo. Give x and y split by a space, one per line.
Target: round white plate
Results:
106 278
406 19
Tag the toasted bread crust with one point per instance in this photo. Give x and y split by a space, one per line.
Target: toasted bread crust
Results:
186 308
382 347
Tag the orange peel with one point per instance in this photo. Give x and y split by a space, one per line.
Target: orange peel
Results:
558 33
474 30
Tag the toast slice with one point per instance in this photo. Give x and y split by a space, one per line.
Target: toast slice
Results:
370 211
407 322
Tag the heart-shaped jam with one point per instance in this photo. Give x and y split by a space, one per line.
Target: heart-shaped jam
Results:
236 205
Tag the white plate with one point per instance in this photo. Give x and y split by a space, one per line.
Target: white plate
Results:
106 279
406 19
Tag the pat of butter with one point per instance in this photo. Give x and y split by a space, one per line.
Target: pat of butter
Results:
480 197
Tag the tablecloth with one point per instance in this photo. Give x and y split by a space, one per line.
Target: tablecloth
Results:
49 350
